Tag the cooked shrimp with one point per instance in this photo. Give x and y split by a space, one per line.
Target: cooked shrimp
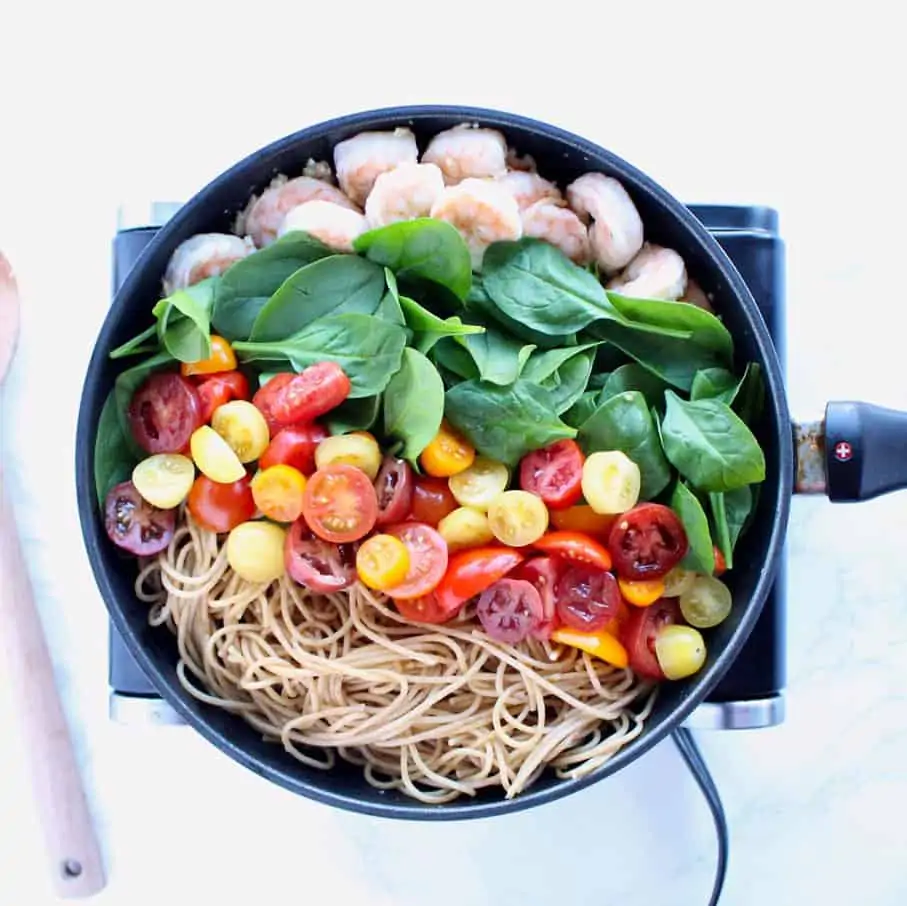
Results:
482 211
696 295
406 192
318 169
616 231
560 227
524 162
262 218
204 255
467 151
360 160
335 226
528 188
655 273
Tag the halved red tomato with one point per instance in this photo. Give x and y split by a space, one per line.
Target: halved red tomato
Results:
554 473
394 487
470 572
164 412
266 396
510 610
314 391
575 546
422 610
587 598
294 446
134 524
427 560
543 573
432 500
647 542
221 507
339 504
639 631
216 389
318 565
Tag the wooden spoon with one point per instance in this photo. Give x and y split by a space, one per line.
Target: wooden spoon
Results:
70 838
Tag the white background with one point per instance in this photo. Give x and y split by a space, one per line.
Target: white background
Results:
774 105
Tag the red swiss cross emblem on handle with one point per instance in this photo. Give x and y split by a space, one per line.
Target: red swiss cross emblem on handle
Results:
843 451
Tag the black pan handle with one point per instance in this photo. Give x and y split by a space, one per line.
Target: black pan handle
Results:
857 452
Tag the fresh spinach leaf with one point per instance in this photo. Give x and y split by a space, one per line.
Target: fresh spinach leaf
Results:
582 409
389 309
749 399
710 445
714 383
340 284
730 512
543 364
635 377
146 341
496 358
183 321
125 385
428 328
537 285
247 285
505 423
624 423
414 404
367 348
701 555
354 415
114 458
426 248
719 523
480 303
567 383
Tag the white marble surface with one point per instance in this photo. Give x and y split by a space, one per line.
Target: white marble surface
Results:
816 806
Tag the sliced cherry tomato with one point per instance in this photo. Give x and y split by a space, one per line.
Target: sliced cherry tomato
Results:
221 507
510 610
278 492
243 427
587 598
359 449
422 610
319 565
294 446
640 631
427 560
601 644
647 542
164 412
134 524
448 453
575 546
222 358
382 562
394 487
470 572
217 389
340 504
641 592
582 518
554 473
517 518
314 391
266 396
432 500
543 573
720 563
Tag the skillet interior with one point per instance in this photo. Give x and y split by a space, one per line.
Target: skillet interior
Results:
562 157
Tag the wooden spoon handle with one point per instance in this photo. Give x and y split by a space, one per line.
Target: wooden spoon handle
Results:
75 858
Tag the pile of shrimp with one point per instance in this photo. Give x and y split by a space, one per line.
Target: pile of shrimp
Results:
467 176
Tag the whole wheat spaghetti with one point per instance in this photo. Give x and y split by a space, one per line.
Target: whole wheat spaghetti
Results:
434 711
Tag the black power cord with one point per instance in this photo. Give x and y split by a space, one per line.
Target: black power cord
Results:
691 754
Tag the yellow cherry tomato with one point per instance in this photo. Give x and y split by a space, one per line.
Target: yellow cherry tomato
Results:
382 562
448 453
164 479
255 551
360 450
680 651
611 482
677 581
600 644
278 492
480 483
518 518
222 358
465 527
706 603
641 592
214 456
582 518
243 427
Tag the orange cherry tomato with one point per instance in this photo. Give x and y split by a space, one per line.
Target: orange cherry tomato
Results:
641 592
575 546
448 453
600 644
278 492
222 358
582 518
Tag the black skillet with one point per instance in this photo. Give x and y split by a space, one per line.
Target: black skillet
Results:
857 452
